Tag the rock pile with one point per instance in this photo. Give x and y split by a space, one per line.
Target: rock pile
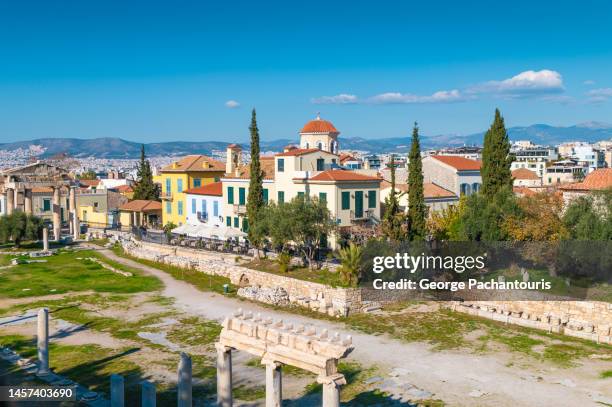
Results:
274 296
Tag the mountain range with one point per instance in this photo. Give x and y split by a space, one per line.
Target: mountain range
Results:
109 147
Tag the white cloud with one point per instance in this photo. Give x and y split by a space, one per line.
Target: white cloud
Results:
232 104
599 95
588 82
525 84
443 96
341 99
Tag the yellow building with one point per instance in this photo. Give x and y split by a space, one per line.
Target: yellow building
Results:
191 171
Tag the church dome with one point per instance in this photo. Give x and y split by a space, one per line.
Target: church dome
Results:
319 125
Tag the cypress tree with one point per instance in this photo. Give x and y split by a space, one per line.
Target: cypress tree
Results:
496 158
392 219
145 187
255 199
417 211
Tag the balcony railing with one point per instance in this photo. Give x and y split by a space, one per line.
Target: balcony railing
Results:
366 214
240 209
166 196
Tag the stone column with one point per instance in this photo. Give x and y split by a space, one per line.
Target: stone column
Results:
224 376
27 201
45 238
274 384
57 225
16 199
10 201
134 219
148 397
331 389
71 209
42 339
184 381
117 391
76 227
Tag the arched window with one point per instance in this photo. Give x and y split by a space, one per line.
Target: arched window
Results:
475 187
307 145
320 146
465 189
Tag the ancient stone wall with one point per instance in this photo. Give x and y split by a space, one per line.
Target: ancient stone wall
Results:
590 320
315 296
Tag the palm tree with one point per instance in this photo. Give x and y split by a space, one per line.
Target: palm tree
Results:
350 259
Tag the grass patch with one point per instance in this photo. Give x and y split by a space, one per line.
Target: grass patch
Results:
194 331
564 355
323 276
202 281
606 374
65 273
246 393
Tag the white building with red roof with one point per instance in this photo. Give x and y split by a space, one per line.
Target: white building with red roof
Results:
205 205
598 180
456 174
312 170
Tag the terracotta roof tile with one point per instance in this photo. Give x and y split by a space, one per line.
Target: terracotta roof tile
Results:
430 190
141 205
319 125
599 179
124 188
195 163
89 182
267 166
523 191
297 152
459 163
214 189
524 173
343 175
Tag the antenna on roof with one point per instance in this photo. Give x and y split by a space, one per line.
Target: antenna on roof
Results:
318 115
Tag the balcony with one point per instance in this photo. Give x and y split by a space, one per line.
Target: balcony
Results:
240 209
165 196
365 215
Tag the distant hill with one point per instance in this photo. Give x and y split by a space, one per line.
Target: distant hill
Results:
109 147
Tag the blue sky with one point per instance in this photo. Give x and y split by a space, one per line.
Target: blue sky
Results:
163 71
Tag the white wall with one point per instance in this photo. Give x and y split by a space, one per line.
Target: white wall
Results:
204 204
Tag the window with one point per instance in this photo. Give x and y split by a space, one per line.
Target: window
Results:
465 189
281 164
180 208
245 225
46 205
168 207
320 146
241 196
320 164
323 197
179 185
168 186
236 222
230 195
197 182
215 208
193 205
300 195
281 196
372 199
265 195
204 206
228 221
346 200
475 187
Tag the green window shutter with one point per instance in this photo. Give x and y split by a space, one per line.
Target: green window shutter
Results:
230 195
281 196
228 221
241 196
323 197
300 195
236 222
346 200
197 182
281 165
168 207
46 205
265 195
245 225
372 199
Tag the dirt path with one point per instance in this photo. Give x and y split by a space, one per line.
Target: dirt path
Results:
458 378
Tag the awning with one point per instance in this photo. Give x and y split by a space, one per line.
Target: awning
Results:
208 231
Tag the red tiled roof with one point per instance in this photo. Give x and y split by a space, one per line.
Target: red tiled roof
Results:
524 173
236 146
141 205
319 125
214 188
346 157
267 166
459 163
343 175
430 190
89 182
599 179
124 188
195 163
523 191
297 152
